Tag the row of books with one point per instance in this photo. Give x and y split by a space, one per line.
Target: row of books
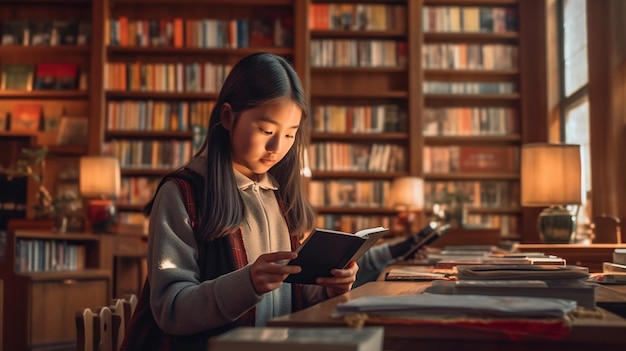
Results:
43 76
48 255
199 33
349 193
137 190
151 115
358 53
477 194
204 77
32 32
375 157
470 158
469 19
442 87
469 56
152 154
357 17
352 223
358 119
470 121
508 224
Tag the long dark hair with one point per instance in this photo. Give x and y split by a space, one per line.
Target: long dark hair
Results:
255 80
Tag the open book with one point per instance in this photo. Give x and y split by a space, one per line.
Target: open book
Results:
326 249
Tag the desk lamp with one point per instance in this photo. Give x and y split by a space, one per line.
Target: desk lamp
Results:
551 176
407 197
100 186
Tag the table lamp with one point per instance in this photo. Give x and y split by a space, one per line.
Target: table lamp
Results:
407 197
100 186
551 176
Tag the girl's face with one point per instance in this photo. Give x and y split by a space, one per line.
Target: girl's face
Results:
262 136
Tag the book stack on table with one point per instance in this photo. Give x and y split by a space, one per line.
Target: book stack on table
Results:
544 281
452 257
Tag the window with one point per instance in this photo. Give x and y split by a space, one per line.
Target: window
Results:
574 97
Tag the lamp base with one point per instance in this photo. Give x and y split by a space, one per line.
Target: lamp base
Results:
556 225
101 213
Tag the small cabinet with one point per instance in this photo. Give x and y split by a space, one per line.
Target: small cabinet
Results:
54 299
48 278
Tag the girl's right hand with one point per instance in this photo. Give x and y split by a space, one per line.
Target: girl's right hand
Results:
269 270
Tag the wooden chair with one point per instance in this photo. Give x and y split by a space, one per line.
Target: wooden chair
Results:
97 331
132 300
104 329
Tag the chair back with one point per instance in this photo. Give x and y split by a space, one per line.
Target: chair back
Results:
97 331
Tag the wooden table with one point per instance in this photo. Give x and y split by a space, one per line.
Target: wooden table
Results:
586 334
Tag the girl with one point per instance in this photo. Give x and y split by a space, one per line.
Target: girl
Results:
225 267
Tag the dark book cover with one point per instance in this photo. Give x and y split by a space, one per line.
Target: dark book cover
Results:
67 76
327 249
14 31
64 33
45 78
84 33
40 32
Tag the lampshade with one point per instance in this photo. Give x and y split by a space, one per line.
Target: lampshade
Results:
551 174
407 194
99 176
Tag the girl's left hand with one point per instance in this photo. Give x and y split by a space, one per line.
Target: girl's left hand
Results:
342 281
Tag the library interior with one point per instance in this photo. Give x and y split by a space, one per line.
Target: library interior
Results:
490 134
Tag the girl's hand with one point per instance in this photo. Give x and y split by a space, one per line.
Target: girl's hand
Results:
269 270
342 281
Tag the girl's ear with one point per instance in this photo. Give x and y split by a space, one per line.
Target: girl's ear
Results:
226 116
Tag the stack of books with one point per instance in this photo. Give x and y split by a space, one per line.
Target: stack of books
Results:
450 258
301 339
527 280
615 272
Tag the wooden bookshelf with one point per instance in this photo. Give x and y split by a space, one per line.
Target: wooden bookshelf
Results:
399 84
192 53
360 72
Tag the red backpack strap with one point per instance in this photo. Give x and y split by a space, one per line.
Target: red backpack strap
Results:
189 199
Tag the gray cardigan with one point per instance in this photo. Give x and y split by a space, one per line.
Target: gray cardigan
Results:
181 304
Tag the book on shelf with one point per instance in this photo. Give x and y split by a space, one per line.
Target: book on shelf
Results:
40 32
17 77
325 249
56 76
25 117
302 339
64 33
15 32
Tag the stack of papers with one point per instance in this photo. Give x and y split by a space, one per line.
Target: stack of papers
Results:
466 305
